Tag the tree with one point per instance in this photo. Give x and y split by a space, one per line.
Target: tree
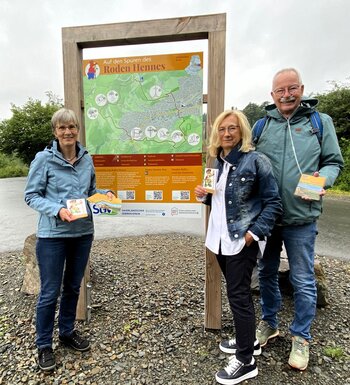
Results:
343 181
29 129
254 112
336 104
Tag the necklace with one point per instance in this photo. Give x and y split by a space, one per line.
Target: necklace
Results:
70 159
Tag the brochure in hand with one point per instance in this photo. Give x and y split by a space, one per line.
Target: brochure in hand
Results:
209 179
101 205
77 207
310 186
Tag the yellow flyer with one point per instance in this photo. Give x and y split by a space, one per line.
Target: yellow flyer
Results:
310 186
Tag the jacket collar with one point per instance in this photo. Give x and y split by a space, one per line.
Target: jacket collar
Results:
54 148
306 107
233 156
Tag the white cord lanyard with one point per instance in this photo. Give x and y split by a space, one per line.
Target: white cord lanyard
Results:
291 140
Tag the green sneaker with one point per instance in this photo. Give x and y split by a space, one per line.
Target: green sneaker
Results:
264 332
299 355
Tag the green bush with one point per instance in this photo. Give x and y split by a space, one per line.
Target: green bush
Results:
336 104
12 166
343 181
29 129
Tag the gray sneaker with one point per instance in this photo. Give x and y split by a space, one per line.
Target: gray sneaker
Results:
299 355
264 332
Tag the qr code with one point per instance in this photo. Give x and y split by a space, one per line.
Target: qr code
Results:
181 195
154 195
185 195
130 195
126 195
158 195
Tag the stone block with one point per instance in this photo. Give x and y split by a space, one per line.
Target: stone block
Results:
31 279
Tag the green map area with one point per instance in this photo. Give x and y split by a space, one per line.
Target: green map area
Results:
144 113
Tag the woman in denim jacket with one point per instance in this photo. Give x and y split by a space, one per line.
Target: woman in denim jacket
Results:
64 170
244 208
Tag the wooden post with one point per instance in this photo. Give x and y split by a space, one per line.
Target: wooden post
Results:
216 95
211 27
72 61
82 309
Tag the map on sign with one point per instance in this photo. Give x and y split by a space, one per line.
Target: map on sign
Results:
144 105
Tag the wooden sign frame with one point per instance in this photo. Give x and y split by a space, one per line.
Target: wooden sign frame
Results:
209 27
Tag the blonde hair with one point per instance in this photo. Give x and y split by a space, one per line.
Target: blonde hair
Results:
214 146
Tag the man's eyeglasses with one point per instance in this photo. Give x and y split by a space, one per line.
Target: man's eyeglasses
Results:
291 90
70 127
230 129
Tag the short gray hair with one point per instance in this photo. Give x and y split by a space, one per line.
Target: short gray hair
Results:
282 71
64 116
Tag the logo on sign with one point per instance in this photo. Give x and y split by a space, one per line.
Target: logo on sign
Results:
98 210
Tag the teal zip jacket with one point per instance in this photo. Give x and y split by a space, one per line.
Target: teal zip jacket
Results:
51 181
276 142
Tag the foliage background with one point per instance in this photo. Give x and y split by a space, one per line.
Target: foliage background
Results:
29 129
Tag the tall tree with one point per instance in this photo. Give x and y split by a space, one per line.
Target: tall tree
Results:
254 111
29 129
336 103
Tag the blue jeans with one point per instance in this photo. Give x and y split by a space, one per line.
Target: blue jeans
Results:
59 258
299 242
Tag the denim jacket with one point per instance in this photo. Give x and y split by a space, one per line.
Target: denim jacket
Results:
252 201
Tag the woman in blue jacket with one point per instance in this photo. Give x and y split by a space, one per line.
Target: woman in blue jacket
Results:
244 208
64 170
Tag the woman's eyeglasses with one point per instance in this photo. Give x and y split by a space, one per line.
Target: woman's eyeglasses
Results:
70 127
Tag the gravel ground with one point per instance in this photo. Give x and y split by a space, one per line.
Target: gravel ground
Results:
147 322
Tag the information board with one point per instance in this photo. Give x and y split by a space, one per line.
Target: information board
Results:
144 125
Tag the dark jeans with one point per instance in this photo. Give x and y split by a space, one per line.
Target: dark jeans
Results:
59 258
237 270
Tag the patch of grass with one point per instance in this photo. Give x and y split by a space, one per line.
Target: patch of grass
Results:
130 326
334 352
334 191
202 353
4 325
11 166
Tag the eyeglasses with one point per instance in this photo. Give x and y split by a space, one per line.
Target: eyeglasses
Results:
230 129
291 90
70 127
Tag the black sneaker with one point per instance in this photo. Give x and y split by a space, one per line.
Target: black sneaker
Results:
75 341
46 359
236 372
230 346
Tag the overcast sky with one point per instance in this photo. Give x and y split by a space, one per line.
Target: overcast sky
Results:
263 36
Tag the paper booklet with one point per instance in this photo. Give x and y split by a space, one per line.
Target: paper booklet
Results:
101 205
209 179
77 207
310 186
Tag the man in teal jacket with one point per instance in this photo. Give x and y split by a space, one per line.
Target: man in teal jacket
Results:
293 147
